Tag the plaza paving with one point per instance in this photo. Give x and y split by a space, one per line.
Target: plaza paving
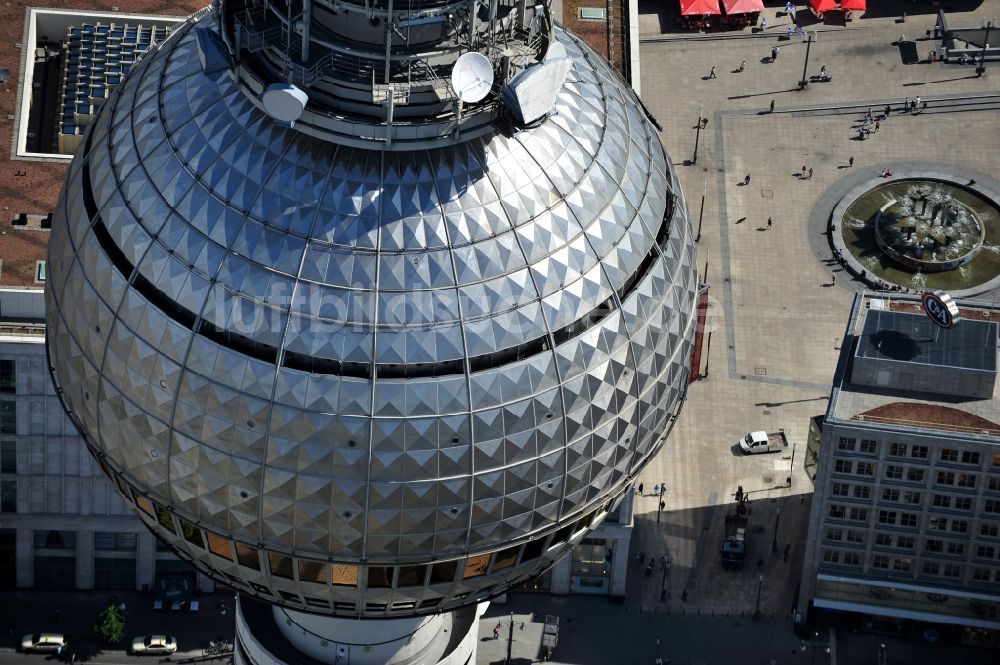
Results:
778 315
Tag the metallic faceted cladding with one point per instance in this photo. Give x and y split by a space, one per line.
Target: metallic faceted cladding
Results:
290 353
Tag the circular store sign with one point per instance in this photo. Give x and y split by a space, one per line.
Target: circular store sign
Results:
940 308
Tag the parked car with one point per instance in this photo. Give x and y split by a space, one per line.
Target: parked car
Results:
154 645
42 642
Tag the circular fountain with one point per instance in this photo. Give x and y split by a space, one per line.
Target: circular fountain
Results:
921 230
928 229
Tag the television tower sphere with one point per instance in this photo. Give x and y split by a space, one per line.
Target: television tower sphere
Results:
391 353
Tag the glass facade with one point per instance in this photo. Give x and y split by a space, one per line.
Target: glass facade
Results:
591 566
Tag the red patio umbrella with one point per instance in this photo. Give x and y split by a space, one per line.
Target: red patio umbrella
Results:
854 5
699 7
743 6
824 5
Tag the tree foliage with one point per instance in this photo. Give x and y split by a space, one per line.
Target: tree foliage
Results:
111 625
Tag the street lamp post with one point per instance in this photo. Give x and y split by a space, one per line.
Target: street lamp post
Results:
701 213
791 466
756 611
981 69
510 639
697 135
774 541
805 66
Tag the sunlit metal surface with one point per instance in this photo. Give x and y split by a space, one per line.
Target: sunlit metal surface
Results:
291 353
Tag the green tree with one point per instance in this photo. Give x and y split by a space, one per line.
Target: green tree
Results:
111 625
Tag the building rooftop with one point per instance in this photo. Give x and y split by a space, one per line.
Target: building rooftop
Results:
912 338
32 186
892 327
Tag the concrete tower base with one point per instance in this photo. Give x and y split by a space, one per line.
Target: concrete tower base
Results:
271 635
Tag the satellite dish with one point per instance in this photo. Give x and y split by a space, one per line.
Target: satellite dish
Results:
472 77
284 102
555 51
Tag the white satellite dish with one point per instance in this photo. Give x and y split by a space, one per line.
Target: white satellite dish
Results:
555 51
284 102
472 77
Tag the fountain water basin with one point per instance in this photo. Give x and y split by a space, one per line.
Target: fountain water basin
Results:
919 231
928 229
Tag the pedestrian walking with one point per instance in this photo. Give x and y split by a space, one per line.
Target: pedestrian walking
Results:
496 631
711 74
684 595
804 169
788 32
774 53
916 102
640 489
772 107
809 177
769 222
657 640
887 109
906 105
876 125
658 661
746 180
833 279
850 162
743 65
924 107
763 23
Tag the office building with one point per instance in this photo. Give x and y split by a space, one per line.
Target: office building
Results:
905 523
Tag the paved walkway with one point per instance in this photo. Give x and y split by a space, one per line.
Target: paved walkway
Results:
777 315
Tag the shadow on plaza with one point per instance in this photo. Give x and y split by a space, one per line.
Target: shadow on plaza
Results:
691 541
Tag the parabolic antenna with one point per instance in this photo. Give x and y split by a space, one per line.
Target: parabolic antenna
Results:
556 50
472 77
284 102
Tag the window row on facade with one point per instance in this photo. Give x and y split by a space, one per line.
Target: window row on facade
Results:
910 520
911 543
868 493
909 567
915 475
916 453
282 575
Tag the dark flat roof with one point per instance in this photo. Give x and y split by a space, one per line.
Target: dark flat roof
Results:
912 338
